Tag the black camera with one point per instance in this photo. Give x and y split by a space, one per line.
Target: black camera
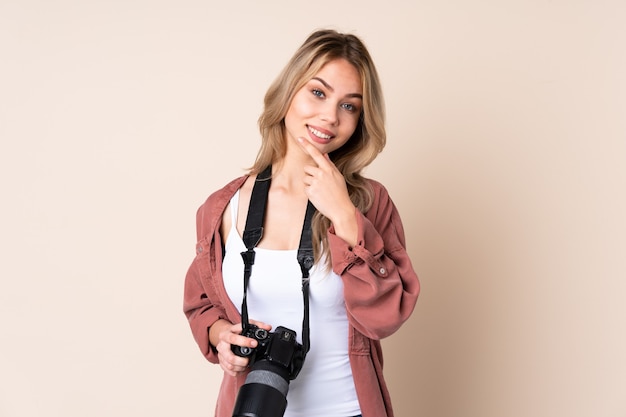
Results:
276 360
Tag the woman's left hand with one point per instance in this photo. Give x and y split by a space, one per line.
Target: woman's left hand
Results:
325 186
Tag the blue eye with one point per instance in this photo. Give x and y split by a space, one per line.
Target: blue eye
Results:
318 93
349 107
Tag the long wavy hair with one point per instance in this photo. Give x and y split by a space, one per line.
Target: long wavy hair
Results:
368 139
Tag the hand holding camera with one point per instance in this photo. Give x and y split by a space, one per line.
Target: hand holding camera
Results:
225 336
280 348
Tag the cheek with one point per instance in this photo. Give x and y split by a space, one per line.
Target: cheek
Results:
293 114
300 106
349 124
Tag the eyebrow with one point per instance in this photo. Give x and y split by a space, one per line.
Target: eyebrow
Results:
325 84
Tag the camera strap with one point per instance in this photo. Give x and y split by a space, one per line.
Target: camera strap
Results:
252 235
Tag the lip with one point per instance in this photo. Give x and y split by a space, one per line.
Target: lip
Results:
318 139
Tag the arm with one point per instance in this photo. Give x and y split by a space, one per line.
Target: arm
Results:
201 306
204 308
380 285
368 251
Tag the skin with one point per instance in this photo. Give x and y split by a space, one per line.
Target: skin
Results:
321 118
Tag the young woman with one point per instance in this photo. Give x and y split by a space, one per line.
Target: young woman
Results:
323 122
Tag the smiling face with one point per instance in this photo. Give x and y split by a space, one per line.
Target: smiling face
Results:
326 109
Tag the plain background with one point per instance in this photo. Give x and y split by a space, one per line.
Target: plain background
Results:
506 154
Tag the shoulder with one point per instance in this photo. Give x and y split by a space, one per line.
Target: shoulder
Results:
382 207
376 186
209 214
379 192
385 217
224 194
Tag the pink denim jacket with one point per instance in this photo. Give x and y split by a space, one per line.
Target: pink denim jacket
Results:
380 290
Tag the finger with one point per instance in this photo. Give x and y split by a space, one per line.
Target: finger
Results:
227 369
228 360
243 341
236 328
233 367
261 324
313 152
233 337
311 170
233 361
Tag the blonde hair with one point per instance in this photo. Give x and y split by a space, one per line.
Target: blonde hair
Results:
368 139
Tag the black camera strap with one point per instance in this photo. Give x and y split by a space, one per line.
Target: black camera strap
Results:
252 235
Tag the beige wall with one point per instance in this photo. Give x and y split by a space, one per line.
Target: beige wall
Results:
507 143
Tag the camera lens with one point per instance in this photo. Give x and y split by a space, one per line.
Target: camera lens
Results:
264 394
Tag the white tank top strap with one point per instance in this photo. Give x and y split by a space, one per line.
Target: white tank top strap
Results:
233 235
234 208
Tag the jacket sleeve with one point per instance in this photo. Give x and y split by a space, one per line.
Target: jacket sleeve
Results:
201 303
380 285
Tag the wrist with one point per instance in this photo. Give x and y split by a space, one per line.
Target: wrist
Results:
346 227
215 330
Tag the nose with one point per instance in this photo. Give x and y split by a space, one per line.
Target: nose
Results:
328 114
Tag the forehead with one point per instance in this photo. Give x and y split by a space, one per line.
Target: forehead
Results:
341 75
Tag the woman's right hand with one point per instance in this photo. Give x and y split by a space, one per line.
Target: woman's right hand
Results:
223 335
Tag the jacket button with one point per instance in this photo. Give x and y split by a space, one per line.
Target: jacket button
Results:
199 249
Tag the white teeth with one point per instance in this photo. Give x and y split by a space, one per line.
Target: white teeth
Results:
319 134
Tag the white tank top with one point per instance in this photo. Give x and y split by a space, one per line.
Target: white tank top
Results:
325 386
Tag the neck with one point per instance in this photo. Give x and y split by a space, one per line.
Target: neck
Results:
288 176
288 173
